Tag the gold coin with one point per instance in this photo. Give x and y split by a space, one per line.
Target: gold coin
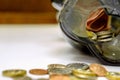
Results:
76 78
38 71
98 69
113 76
91 35
84 73
14 73
59 77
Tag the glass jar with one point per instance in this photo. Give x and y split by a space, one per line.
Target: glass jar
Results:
93 25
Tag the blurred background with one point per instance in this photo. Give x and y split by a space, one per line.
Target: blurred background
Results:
27 12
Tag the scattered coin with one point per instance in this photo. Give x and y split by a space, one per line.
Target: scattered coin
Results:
56 66
60 71
42 79
14 73
72 71
87 74
23 78
76 78
73 66
57 69
38 71
98 69
59 77
113 76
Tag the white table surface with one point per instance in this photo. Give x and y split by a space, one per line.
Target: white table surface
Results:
36 46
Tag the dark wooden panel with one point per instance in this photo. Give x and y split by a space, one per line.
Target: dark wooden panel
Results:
26 5
27 18
26 11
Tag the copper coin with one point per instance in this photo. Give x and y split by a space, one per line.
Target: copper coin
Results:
38 71
98 69
42 79
59 77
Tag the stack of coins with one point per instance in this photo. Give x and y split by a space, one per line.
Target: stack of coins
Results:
104 36
71 71
64 72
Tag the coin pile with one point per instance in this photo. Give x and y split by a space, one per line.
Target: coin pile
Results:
104 36
72 71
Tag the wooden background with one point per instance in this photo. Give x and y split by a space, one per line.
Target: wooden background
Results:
27 12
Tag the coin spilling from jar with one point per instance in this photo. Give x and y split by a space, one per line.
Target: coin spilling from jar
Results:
102 27
71 71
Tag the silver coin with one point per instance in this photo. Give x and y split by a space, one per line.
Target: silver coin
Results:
59 71
103 33
104 40
105 36
56 66
73 66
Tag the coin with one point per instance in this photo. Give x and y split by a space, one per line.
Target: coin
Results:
113 76
87 74
73 66
14 73
38 71
59 77
60 71
104 40
76 78
56 66
42 79
23 78
98 69
104 36
92 35
103 33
